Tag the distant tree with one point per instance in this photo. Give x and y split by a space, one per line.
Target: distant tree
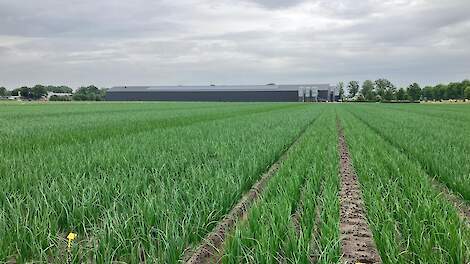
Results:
353 88
414 92
454 90
59 89
25 92
368 90
3 91
103 92
467 92
428 93
38 91
390 94
402 95
15 92
89 93
382 85
465 85
341 90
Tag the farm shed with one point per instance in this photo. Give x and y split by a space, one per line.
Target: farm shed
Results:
229 93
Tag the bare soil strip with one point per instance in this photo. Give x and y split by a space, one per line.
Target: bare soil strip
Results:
462 208
211 246
357 242
295 218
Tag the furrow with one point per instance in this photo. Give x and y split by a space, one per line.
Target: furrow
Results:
315 247
357 242
462 208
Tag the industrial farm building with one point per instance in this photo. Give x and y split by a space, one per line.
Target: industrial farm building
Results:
227 93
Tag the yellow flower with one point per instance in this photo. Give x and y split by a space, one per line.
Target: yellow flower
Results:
71 236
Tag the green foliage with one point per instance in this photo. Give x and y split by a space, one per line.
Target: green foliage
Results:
467 92
59 89
402 94
24 92
353 88
89 93
455 90
390 95
307 182
410 220
368 90
382 86
414 92
60 98
435 136
131 179
3 91
38 91
151 180
341 90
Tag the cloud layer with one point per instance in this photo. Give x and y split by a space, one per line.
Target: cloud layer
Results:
116 42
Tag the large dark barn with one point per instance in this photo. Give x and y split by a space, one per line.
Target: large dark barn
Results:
228 93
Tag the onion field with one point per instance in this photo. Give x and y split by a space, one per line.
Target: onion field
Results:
188 182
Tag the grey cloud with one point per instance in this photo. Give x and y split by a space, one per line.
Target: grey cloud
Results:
276 4
113 42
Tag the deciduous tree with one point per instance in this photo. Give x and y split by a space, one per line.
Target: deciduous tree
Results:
382 85
467 92
341 90
353 88
414 92
3 91
368 90
38 91
401 94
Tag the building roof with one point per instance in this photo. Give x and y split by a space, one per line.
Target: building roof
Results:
286 87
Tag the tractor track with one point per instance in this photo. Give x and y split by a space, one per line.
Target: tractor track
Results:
357 241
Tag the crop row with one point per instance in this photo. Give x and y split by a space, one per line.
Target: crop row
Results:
307 179
439 143
410 220
34 133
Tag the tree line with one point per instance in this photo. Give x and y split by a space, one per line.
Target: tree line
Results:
385 91
84 93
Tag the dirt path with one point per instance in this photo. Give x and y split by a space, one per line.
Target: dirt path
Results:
211 247
357 242
462 208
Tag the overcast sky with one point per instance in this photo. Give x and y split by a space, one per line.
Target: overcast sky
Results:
177 42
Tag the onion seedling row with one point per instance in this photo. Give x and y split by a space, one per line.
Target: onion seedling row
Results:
268 234
442 147
410 221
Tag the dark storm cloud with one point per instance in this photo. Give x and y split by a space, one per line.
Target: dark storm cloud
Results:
112 42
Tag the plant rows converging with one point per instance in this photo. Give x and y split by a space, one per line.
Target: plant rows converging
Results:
308 178
437 138
150 182
410 220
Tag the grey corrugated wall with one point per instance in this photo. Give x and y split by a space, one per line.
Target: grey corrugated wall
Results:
211 96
